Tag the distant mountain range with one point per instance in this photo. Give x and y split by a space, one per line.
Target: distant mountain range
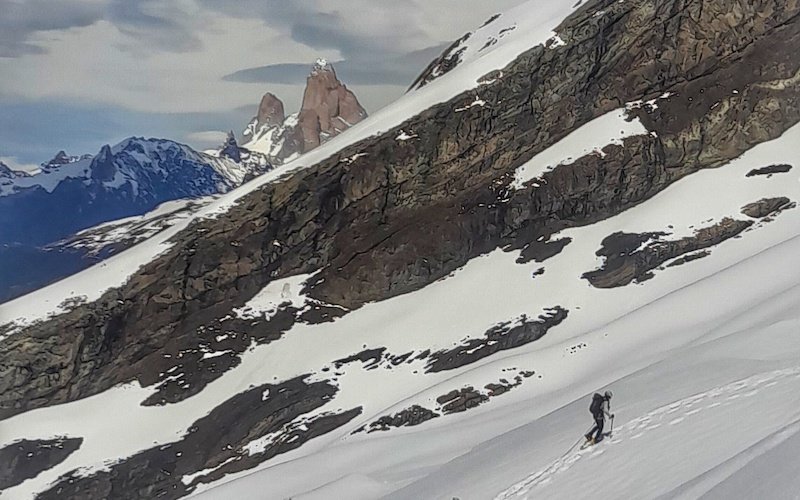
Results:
71 193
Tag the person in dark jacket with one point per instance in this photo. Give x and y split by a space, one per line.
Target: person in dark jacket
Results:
600 408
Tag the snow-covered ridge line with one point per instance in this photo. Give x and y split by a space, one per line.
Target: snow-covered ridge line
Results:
500 35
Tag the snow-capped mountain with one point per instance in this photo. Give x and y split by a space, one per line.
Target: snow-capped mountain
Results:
328 109
60 159
70 194
422 307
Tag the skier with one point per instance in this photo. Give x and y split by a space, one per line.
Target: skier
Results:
600 408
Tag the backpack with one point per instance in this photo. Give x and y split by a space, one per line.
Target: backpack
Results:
597 404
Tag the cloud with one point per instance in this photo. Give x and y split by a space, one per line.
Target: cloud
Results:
149 24
22 20
354 28
14 164
167 26
206 138
34 131
397 70
80 73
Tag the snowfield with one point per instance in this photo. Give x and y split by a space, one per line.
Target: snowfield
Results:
684 384
699 396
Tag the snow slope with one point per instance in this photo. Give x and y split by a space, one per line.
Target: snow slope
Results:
733 356
503 35
625 338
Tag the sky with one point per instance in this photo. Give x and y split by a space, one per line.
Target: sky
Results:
77 74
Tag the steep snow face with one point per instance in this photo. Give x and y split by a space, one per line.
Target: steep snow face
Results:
510 33
271 140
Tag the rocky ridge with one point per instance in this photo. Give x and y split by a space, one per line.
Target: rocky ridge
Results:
328 109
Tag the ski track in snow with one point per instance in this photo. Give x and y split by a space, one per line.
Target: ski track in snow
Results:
671 414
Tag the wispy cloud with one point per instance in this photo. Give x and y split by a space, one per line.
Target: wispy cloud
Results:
206 138
14 164
388 71
21 21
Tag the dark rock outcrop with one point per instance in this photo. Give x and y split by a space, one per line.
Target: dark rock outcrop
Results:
415 415
769 170
455 401
767 206
689 258
220 443
500 338
542 249
371 358
26 459
624 263
461 400
443 64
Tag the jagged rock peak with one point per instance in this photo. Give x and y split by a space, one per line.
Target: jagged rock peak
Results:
60 159
328 108
321 64
102 167
231 149
270 111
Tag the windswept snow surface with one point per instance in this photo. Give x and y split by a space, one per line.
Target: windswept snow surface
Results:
662 366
